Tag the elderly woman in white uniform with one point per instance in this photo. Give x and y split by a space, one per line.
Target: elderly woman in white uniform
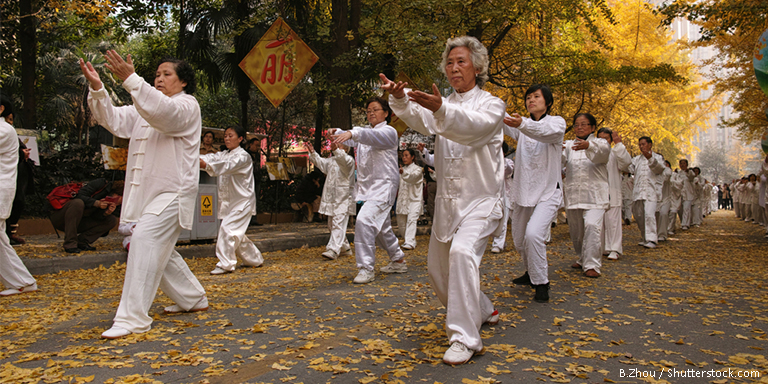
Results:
537 187
618 162
336 203
237 202
410 198
647 168
161 180
377 181
470 183
586 192
13 274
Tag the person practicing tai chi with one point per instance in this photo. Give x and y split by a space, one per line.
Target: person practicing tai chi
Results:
237 202
410 198
377 177
618 162
161 179
470 183
537 188
13 273
586 192
336 202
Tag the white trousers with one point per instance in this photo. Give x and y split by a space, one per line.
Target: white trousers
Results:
626 205
338 227
454 271
233 242
674 208
696 212
737 209
530 226
13 272
406 224
687 211
152 263
500 241
372 227
645 216
662 220
586 227
757 213
746 211
612 231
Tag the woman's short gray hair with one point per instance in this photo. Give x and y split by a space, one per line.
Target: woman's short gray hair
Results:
478 54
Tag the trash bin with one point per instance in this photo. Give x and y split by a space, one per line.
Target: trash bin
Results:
206 223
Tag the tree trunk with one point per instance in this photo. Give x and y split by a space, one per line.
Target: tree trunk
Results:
319 120
28 47
181 43
341 114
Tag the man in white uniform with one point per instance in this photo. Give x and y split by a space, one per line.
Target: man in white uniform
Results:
647 167
470 183
336 202
378 174
537 188
685 179
161 180
13 274
586 192
627 186
664 184
618 162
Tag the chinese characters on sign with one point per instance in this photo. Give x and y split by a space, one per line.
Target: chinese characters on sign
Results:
278 62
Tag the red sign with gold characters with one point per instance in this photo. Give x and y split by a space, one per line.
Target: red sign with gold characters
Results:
278 62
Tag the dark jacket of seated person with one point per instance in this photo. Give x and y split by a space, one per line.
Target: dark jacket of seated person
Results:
89 215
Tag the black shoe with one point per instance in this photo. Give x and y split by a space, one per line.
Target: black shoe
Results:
542 293
72 250
626 222
522 280
86 247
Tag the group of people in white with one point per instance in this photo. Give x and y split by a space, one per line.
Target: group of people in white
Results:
749 196
479 190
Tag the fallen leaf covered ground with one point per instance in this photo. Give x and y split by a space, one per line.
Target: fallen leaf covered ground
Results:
696 305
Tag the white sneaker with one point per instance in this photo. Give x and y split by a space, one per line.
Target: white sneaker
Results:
495 250
493 319
671 232
650 244
642 244
115 333
346 252
685 228
613 256
394 267
364 276
662 239
458 353
16 291
330 254
219 271
201 305
407 247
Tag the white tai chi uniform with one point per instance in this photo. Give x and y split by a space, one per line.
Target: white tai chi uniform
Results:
627 186
586 198
337 202
675 200
696 203
736 198
645 195
161 182
500 241
410 203
664 185
377 178
468 205
536 189
13 273
237 204
687 194
618 161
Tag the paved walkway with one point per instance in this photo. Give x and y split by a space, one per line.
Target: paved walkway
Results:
44 253
693 310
